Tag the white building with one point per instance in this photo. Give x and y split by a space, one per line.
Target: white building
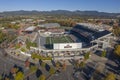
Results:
67 46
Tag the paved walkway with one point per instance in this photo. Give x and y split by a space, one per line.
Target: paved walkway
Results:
21 57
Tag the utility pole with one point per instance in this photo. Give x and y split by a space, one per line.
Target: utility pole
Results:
39 42
4 69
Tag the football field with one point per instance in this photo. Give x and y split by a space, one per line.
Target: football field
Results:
61 39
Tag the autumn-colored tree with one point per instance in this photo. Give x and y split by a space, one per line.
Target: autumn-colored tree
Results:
103 54
19 76
64 66
43 64
42 77
27 63
17 46
87 55
110 76
33 68
1 77
116 31
14 70
76 63
52 71
3 36
57 65
82 64
117 50
6 78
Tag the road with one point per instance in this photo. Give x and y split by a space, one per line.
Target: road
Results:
41 41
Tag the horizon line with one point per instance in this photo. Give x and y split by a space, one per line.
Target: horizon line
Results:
56 10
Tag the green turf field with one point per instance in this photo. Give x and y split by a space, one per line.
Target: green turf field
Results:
62 39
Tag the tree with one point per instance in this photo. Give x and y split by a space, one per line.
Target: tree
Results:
23 49
92 78
103 54
110 76
77 63
14 70
43 64
3 36
29 44
117 50
57 65
42 77
16 26
33 68
19 76
52 71
6 78
27 63
37 56
87 55
1 77
116 31
17 46
64 66
82 64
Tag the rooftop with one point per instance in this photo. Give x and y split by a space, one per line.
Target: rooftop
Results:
32 28
51 25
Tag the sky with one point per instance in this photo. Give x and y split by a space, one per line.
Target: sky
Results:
112 6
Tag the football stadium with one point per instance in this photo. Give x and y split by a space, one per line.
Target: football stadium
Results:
80 37
58 43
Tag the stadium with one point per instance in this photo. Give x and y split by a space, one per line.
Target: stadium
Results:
59 44
80 37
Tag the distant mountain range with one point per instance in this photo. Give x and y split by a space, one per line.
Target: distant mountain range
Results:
61 12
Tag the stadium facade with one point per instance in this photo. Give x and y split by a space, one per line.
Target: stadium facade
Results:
67 46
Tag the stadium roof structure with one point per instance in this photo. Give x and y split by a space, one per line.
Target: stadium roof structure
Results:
31 28
101 34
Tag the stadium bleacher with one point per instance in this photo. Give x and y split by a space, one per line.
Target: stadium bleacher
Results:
86 34
101 33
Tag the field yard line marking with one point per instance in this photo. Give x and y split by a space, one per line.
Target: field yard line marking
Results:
50 40
66 39
53 40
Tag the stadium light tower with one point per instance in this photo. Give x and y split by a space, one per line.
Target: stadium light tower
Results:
39 45
93 38
38 42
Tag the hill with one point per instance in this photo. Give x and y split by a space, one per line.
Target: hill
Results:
61 12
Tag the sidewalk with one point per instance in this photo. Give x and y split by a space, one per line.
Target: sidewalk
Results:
21 57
